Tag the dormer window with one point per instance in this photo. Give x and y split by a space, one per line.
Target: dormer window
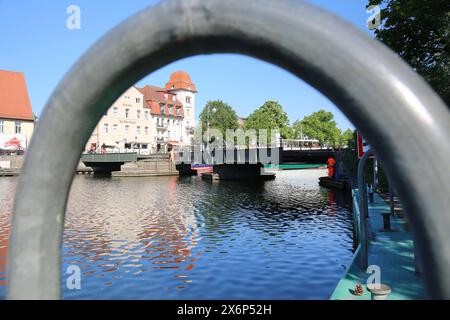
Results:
166 96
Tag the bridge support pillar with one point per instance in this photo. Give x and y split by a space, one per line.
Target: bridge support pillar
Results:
239 172
185 170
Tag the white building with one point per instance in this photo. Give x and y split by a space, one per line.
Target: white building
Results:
150 119
16 117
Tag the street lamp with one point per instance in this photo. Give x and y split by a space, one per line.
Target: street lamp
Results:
208 122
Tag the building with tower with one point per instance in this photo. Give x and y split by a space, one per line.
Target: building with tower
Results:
181 85
150 119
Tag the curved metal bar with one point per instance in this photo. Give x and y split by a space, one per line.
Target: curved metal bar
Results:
363 210
391 105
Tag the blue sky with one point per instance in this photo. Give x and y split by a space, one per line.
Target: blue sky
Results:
34 40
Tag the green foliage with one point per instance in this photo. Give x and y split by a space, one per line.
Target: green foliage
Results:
219 115
346 139
321 126
270 116
419 31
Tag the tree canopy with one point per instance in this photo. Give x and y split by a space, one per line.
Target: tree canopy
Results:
270 116
419 31
347 138
319 125
219 115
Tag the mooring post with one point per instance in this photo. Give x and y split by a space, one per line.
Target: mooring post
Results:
375 175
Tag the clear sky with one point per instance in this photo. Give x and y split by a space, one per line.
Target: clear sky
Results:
34 40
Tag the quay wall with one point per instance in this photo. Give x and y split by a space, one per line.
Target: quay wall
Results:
156 166
11 162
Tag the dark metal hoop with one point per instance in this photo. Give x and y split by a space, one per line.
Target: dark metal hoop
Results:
403 119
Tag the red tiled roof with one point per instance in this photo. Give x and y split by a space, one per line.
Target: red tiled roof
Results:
14 99
154 98
180 80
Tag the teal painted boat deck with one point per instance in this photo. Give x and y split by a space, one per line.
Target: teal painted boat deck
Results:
393 252
294 166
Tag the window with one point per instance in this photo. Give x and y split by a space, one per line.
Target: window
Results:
127 113
2 126
174 98
127 128
138 100
188 99
18 127
172 87
146 114
115 111
115 128
138 130
171 110
138 114
166 96
105 128
146 131
161 108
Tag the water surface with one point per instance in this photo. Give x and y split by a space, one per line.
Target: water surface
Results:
184 238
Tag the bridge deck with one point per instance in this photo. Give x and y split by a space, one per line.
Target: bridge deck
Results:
109 157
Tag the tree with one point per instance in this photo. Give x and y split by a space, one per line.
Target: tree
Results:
218 115
319 125
419 31
346 138
270 116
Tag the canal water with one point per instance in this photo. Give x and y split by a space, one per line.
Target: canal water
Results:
185 238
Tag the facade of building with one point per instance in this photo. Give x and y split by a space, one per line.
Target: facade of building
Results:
126 125
16 116
181 85
150 119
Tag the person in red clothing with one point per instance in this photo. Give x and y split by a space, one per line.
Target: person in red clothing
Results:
330 165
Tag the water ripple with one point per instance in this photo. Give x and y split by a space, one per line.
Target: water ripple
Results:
184 238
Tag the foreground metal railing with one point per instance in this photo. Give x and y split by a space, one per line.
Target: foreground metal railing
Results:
363 210
389 103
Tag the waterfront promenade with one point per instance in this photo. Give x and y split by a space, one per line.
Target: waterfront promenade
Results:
393 252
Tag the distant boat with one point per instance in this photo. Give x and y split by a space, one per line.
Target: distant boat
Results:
332 183
202 168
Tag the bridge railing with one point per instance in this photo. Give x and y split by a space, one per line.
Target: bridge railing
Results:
294 144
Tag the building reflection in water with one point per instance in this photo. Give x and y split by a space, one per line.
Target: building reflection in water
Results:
185 238
7 189
145 229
